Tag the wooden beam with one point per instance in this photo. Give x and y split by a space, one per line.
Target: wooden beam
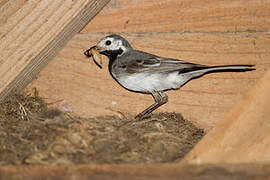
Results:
182 16
138 171
32 33
243 136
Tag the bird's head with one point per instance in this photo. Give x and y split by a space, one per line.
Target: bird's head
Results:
111 46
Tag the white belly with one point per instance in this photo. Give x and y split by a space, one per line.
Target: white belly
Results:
143 82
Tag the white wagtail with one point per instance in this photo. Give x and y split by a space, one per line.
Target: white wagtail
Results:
142 72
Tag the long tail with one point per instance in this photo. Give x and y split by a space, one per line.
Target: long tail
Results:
227 68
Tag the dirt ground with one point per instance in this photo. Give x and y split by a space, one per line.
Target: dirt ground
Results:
31 132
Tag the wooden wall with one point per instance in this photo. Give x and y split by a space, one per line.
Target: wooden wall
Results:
211 32
182 16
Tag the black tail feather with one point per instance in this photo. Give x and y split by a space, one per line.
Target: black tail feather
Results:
247 67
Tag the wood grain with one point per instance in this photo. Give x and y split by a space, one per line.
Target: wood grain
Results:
253 171
33 31
90 91
182 16
243 136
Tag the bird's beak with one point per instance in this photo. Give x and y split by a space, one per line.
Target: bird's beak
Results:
95 48
95 53
88 51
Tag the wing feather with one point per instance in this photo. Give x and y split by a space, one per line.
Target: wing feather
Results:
158 64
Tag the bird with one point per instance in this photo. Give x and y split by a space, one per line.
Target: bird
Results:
143 72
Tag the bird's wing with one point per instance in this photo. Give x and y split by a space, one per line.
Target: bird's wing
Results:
159 64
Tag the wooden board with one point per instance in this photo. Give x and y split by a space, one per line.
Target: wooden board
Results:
182 16
144 172
33 31
225 32
243 136
89 91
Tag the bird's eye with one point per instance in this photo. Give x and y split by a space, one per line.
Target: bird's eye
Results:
108 42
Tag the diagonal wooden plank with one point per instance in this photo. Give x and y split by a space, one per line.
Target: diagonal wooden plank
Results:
243 136
33 33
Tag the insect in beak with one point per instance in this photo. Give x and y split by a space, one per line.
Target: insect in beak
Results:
94 53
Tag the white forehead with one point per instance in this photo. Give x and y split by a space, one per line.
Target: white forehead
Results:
106 39
115 43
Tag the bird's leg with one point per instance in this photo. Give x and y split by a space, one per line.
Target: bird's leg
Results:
160 99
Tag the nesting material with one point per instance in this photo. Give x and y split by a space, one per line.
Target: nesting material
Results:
33 133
